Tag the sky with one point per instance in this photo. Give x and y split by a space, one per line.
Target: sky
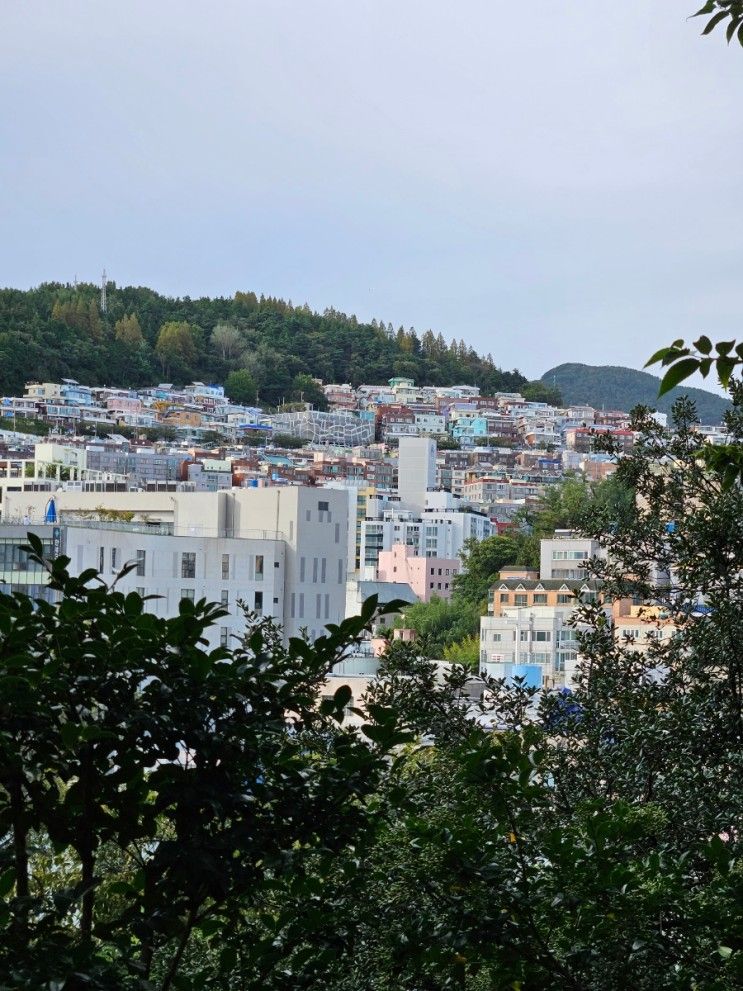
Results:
553 182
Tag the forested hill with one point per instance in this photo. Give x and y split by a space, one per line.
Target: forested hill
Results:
615 387
57 331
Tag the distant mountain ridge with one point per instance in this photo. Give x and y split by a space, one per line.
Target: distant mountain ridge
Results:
616 387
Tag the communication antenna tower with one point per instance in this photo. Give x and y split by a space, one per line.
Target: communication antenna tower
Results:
103 292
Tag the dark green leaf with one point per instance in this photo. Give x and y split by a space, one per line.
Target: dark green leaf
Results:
703 344
714 21
677 373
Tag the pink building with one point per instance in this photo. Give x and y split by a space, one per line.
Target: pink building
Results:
124 404
426 576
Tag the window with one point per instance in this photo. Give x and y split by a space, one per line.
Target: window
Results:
301 605
258 603
188 564
314 570
308 515
541 636
188 593
301 569
564 598
225 597
292 605
101 558
520 600
504 597
140 592
337 532
323 566
225 566
141 556
224 632
496 638
114 558
323 507
340 572
258 567
318 606
540 599
523 636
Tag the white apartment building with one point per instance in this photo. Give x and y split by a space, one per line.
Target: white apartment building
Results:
433 533
535 643
283 551
432 523
416 471
564 556
430 423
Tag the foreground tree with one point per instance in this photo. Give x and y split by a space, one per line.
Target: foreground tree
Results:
594 841
165 826
152 791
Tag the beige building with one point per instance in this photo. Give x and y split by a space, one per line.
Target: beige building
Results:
281 550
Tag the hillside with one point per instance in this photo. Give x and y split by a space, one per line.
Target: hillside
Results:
57 331
615 387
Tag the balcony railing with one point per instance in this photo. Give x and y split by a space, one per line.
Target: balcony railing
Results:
157 529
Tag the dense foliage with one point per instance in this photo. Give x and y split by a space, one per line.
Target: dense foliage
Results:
594 842
56 331
614 387
152 790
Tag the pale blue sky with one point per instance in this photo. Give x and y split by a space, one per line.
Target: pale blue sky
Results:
554 182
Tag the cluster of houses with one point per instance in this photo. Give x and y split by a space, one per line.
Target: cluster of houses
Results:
306 533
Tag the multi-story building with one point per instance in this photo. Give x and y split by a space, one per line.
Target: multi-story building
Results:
564 557
281 551
436 532
395 421
584 439
141 465
340 396
416 471
427 576
528 632
433 523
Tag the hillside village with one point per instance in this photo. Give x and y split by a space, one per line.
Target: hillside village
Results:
303 514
